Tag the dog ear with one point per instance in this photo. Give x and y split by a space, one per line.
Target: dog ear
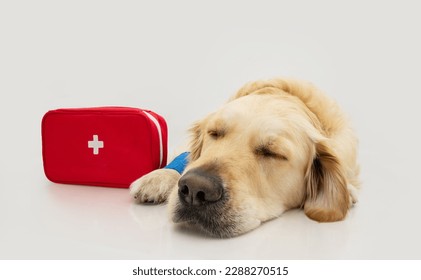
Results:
196 141
327 197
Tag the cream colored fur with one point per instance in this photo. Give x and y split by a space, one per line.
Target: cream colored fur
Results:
281 144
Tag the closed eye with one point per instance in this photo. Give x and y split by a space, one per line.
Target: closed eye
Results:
265 152
215 134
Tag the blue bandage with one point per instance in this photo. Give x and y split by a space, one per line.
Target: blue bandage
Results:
179 163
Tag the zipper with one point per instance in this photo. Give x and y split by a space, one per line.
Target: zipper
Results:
158 127
100 110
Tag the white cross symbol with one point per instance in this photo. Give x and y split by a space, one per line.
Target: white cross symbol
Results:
95 144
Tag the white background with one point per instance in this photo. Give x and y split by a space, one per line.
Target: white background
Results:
183 59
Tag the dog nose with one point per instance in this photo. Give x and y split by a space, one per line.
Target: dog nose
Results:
198 187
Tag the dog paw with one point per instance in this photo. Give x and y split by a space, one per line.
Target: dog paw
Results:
155 186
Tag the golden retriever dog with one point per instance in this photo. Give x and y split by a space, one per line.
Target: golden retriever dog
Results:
276 145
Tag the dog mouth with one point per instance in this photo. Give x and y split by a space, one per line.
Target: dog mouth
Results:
203 202
214 219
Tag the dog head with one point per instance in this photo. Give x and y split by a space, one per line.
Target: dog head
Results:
256 157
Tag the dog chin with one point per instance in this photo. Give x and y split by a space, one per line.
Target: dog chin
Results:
211 225
217 220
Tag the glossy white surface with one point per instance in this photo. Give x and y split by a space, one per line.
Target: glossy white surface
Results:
183 59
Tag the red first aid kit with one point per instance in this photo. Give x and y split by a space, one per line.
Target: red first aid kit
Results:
102 146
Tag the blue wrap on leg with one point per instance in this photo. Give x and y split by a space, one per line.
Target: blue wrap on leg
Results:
179 163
